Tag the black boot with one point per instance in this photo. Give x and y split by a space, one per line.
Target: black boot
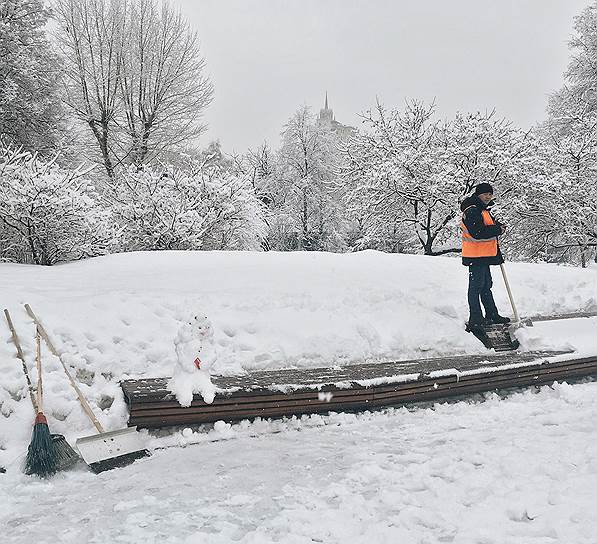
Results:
475 323
497 319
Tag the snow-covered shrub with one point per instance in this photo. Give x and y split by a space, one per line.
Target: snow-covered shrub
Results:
48 215
207 209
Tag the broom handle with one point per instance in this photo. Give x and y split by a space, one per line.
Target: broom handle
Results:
507 284
40 387
84 404
15 341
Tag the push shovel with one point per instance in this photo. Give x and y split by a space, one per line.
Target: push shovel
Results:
105 450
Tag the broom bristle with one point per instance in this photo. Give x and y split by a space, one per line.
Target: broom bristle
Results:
66 456
41 457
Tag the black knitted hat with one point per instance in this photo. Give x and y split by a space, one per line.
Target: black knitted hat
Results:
483 188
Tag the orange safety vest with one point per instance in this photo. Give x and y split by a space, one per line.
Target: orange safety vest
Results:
475 247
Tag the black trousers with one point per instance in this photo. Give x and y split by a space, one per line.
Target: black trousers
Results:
479 291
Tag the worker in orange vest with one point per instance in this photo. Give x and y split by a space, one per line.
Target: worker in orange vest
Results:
480 249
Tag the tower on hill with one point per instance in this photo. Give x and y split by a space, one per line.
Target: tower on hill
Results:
327 121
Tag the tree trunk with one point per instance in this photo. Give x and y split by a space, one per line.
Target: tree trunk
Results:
304 220
30 239
102 139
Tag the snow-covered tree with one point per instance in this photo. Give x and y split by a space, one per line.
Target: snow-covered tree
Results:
259 166
208 208
482 147
136 77
558 208
305 212
558 204
409 173
92 36
581 74
30 109
48 215
391 171
164 88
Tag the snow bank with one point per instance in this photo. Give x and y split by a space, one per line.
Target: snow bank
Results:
117 316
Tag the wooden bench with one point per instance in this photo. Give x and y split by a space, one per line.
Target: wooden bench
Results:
354 387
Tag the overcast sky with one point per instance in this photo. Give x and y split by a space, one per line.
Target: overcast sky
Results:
268 57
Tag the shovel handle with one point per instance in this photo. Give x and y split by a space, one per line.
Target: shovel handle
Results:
15 341
84 404
507 284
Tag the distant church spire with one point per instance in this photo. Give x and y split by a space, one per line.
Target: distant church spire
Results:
327 121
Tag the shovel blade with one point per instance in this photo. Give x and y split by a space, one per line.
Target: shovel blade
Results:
113 449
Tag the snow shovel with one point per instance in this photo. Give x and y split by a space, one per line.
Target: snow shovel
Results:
105 450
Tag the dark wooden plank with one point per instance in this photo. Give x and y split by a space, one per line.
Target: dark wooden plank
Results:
363 398
156 387
289 402
483 383
189 419
222 402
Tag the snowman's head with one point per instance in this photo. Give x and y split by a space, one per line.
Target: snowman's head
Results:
201 326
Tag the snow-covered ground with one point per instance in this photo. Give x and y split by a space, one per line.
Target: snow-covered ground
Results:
459 472
520 470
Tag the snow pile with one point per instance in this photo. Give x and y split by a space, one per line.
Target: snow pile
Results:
117 317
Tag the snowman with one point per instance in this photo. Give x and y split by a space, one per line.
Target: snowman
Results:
195 354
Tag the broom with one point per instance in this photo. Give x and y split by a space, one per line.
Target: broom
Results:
41 456
66 456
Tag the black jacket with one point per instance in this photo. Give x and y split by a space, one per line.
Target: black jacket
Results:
473 219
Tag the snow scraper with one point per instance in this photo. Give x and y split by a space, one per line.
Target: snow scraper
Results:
105 450
497 337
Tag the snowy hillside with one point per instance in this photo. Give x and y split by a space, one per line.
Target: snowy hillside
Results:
117 316
515 470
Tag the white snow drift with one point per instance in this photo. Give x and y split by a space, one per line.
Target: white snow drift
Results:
118 316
